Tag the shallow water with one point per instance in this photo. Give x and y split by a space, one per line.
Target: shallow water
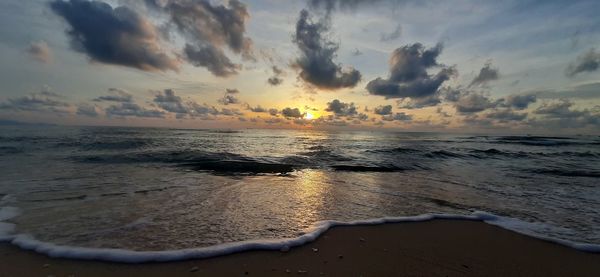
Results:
161 189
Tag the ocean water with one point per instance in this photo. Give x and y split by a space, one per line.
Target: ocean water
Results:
145 189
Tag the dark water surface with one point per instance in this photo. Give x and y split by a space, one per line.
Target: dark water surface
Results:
158 189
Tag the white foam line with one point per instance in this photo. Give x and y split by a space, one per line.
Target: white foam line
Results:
130 256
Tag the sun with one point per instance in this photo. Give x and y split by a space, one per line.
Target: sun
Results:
308 116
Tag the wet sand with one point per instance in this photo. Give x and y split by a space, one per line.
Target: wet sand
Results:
433 248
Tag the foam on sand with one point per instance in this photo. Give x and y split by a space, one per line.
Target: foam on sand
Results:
128 256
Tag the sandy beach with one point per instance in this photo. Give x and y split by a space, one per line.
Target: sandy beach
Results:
433 248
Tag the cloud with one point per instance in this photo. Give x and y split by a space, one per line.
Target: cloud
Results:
115 95
202 110
117 36
317 54
397 117
44 101
519 102
87 110
486 74
331 5
232 91
506 115
212 58
560 114
132 109
170 102
383 110
292 113
356 52
341 109
275 80
473 102
418 103
273 112
208 29
559 109
231 112
408 73
258 109
394 35
271 121
40 52
587 62
583 91
229 99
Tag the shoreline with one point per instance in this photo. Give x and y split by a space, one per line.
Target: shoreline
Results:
444 247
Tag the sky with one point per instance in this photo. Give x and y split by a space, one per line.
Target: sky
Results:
454 66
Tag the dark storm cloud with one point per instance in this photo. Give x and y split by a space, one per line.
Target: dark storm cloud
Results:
115 95
341 109
212 58
394 35
486 74
87 110
292 113
114 36
383 110
40 52
587 62
317 54
218 25
276 79
408 73
44 101
208 29
519 102
132 109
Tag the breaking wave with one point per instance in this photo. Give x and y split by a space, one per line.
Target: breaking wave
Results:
129 256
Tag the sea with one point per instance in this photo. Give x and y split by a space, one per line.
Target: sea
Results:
156 194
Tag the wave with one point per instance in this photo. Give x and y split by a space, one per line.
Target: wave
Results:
247 166
230 163
9 150
566 172
366 168
396 150
444 154
129 256
542 141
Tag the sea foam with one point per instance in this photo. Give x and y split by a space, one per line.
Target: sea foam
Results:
129 256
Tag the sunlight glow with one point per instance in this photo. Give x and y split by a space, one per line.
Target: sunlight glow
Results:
309 116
